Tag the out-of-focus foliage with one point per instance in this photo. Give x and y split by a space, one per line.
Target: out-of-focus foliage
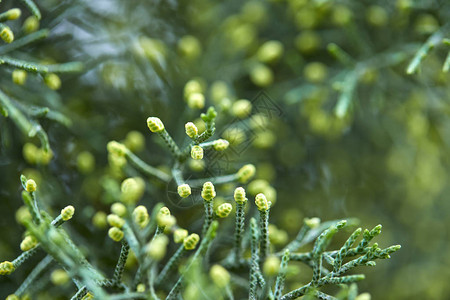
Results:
347 131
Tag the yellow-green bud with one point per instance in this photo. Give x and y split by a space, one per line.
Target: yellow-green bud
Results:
307 41
257 186
12 297
191 241
184 190
246 173
261 75
59 277
179 235
196 101
28 243
23 214
166 221
196 165
85 162
315 72
115 221
277 236
191 130
52 81
219 91
140 215
156 249
119 209
377 16
208 191
135 141
196 152
219 276
116 148
155 124
99 219
261 202
6 34
224 210
30 186
132 190
192 86
164 211
13 13
239 195
234 135
67 212
189 47
6 268
312 222
270 51
19 76
140 288
31 24
241 108
220 144
115 234
271 266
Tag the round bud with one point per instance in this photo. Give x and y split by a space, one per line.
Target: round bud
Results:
116 148
208 191
30 185
59 277
166 221
13 13
312 222
239 195
271 266
196 165
184 190
88 296
164 211
140 215
115 234
85 162
12 297
270 51
196 152
224 210
191 241
192 86
31 24
155 124
261 75
364 296
19 77
377 16
220 144
246 173
132 190
179 235
261 202
140 288
219 276
191 130
189 47
241 108
257 186
135 141
6 268
196 101
52 81
115 221
28 243
99 219
119 209
315 72
156 249
6 34
67 212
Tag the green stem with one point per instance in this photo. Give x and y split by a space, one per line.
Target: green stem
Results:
145 168
118 271
170 266
264 230
239 231
208 216
28 39
43 264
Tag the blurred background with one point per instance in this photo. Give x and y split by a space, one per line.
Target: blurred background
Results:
316 94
